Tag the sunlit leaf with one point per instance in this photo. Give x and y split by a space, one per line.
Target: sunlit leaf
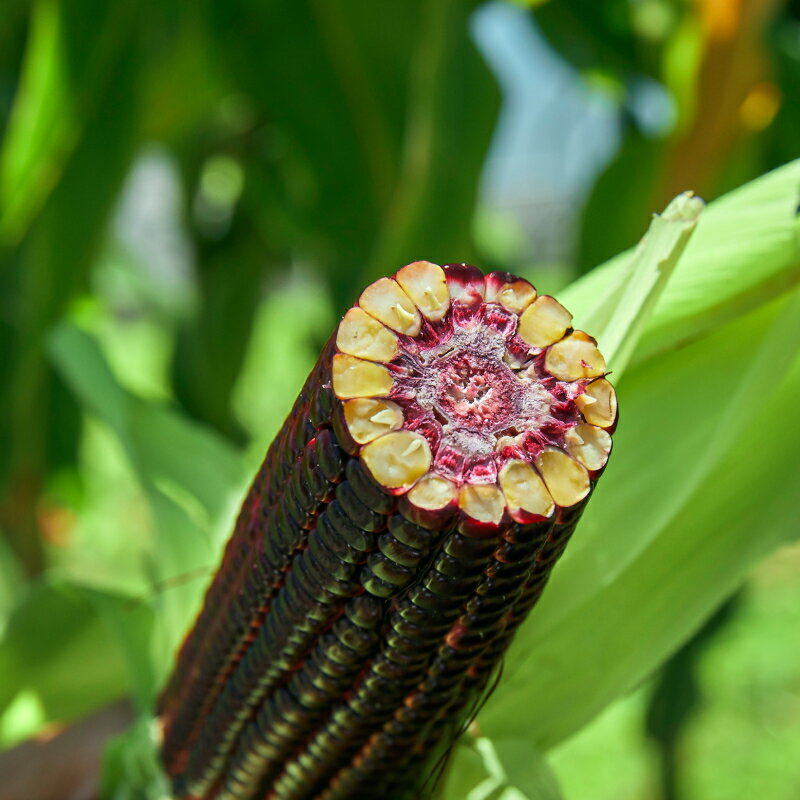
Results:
745 250
67 74
466 771
698 489
618 316
498 769
59 647
191 477
526 769
43 125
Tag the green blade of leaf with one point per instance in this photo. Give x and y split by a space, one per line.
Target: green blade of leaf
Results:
499 769
165 448
43 124
526 769
617 319
58 646
70 73
466 775
745 251
192 480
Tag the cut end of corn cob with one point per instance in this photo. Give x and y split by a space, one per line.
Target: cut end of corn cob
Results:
506 402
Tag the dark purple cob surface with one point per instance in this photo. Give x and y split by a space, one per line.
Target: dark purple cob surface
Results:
404 522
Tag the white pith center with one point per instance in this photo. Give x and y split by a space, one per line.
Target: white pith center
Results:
475 396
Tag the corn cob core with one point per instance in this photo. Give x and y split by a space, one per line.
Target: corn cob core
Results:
472 401
405 521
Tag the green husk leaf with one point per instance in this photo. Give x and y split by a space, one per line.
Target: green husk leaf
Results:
619 316
465 774
745 251
526 769
500 769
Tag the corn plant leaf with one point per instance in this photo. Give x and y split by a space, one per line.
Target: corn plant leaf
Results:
618 317
58 646
499 769
743 255
465 774
191 478
526 770
744 252
63 82
43 124
165 448
131 770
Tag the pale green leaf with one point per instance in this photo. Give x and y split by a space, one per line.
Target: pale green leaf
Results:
526 769
700 486
192 480
165 448
59 648
499 769
618 316
43 125
745 251
466 775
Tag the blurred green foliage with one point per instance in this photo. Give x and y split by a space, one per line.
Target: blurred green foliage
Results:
307 148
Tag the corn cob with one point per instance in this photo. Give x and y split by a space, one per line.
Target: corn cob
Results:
404 522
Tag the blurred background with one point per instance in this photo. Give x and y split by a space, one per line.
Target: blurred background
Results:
190 195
